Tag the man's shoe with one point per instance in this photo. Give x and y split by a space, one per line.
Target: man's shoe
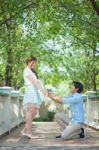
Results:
59 136
82 134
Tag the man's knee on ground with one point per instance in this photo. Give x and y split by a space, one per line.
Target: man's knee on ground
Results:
70 135
64 136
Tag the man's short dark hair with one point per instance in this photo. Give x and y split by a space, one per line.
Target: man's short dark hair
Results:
78 85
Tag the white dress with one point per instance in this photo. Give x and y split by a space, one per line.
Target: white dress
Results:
31 95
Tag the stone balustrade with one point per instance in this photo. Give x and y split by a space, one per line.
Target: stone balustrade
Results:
11 110
91 106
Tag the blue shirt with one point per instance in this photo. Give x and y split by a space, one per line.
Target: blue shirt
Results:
76 106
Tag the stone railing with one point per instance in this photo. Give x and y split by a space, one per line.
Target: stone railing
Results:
91 106
11 112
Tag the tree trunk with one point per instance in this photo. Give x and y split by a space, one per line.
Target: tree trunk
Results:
8 48
95 7
94 80
94 73
9 54
8 72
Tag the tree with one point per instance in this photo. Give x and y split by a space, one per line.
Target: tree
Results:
62 34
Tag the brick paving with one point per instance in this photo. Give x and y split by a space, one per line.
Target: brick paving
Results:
44 139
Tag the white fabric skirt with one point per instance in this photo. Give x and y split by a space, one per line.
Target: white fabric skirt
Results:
31 96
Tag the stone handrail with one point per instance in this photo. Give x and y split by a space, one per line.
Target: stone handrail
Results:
11 110
91 106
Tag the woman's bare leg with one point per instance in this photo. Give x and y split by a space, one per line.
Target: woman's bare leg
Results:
30 114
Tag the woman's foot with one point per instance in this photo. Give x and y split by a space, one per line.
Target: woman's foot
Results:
23 133
30 136
27 134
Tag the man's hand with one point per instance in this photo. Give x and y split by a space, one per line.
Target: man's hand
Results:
55 98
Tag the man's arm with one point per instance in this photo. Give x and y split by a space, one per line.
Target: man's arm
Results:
65 100
71 100
55 98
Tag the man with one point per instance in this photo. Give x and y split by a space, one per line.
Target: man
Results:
71 127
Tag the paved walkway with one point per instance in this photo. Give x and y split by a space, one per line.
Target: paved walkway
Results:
44 139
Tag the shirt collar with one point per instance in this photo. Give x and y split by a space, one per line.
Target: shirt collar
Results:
74 94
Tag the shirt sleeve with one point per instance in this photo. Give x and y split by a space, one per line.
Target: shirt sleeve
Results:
27 72
71 100
34 76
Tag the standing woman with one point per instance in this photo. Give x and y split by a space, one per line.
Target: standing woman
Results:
32 100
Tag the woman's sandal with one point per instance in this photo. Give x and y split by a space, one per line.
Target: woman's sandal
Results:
23 133
31 136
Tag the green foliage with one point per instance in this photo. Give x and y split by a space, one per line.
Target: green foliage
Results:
47 119
62 34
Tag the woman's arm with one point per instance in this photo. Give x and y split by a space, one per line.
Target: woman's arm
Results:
36 83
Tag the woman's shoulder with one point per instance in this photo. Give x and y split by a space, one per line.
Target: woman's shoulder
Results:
26 70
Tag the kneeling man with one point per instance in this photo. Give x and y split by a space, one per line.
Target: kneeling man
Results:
71 127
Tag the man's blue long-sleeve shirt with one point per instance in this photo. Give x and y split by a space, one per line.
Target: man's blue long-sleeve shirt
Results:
76 106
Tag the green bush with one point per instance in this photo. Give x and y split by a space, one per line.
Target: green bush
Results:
47 119
51 115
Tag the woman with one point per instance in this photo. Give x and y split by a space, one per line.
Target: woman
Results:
32 100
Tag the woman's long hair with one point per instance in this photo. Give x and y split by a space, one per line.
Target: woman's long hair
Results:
29 59
35 73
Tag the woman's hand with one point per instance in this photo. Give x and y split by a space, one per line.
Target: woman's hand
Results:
45 93
50 95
